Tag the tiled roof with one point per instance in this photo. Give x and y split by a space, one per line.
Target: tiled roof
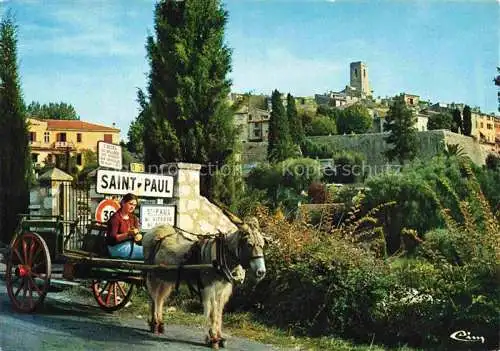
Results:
56 124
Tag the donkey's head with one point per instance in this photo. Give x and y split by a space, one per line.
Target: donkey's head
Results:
251 248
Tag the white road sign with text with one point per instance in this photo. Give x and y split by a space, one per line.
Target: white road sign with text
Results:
153 215
109 155
140 184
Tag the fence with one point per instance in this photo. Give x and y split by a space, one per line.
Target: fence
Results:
74 204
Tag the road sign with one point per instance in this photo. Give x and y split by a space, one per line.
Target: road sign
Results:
137 167
106 209
153 215
140 184
109 155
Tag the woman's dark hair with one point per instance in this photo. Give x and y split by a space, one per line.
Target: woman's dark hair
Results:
128 197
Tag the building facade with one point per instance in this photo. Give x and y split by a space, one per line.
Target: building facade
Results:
50 139
483 128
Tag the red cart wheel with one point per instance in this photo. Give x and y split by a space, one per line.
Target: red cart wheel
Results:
28 272
112 295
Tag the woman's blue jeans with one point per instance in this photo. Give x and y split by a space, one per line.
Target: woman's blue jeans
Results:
122 250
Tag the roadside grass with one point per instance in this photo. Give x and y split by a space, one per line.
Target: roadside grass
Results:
183 309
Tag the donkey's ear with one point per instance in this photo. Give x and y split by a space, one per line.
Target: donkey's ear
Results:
244 228
253 222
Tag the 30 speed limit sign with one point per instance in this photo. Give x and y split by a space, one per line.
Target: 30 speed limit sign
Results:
105 210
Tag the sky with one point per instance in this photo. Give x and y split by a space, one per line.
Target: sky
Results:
91 53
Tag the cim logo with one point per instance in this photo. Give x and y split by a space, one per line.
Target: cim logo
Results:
466 336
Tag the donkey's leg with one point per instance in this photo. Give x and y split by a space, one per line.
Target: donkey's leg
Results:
209 309
152 285
224 294
164 292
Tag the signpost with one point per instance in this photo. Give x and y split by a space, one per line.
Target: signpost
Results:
140 184
153 215
137 167
109 155
106 209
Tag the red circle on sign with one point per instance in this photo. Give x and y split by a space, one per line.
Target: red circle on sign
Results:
106 209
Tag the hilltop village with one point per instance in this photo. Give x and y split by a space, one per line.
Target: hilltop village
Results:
51 140
254 116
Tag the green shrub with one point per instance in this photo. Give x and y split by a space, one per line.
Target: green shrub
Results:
321 125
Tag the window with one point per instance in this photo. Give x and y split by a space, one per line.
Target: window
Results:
78 137
356 72
249 117
364 73
256 132
482 125
489 126
410 101
108 138
79 159
46 137
61 137
32 137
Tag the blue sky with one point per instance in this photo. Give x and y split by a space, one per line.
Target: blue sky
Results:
90 53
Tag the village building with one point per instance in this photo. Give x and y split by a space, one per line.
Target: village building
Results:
50 139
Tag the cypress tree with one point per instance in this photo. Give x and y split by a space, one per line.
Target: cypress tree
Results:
279 145
15 167
188 87
456 125
467 122
294 122
400 122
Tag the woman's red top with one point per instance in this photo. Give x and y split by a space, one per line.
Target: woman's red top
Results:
118 225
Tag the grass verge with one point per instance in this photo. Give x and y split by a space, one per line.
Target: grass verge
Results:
184 310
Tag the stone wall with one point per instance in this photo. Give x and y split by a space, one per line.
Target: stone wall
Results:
373 145
194 213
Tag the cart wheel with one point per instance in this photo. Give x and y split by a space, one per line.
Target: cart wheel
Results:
28 272
112 295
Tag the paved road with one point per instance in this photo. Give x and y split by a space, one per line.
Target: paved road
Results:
63 324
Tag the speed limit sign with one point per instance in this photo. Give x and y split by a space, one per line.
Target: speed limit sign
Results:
106 209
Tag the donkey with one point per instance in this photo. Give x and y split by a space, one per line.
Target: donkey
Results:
240 251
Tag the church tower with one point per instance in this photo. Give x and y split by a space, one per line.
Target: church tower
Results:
359 78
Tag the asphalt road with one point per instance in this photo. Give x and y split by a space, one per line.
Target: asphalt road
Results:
66 324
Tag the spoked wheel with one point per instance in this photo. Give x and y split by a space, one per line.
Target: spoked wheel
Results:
28 272
112 295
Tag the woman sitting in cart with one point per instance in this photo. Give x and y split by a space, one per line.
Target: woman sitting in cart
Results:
123 231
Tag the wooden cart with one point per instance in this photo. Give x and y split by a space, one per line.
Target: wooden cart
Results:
38 254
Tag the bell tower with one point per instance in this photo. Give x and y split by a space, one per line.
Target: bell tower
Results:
359 78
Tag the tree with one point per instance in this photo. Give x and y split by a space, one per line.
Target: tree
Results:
400 123
52 110
439 121
15 167
279 145
322 125
354 119
294 121
467 122
189 118
497 83
135 133
456 125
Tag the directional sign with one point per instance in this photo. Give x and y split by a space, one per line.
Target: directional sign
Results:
106 209
140 184
137 167
153 215
109 155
